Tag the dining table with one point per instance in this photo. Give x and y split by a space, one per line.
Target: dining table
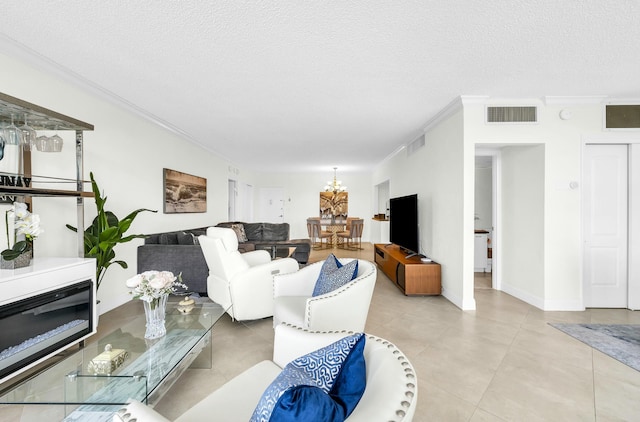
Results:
335 227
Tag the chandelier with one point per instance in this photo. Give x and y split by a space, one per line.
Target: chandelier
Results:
336 185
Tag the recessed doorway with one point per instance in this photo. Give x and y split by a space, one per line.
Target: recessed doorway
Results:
483 221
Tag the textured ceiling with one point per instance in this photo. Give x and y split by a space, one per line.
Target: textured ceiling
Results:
313 85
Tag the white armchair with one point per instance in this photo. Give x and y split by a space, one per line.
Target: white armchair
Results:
391 391
242 283
345 308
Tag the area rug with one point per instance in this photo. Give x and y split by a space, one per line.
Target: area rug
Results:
621 342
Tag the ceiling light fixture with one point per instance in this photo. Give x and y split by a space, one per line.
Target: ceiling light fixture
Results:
336 185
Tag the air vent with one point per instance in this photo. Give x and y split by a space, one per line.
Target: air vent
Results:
528 114
622 116
415 145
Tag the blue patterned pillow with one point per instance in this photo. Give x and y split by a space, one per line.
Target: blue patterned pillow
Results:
334 275
324 385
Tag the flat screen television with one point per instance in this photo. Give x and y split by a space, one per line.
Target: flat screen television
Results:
403 223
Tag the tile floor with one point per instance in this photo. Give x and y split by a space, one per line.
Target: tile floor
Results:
502 362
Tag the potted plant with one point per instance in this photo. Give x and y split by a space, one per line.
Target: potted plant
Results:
105 232
27 227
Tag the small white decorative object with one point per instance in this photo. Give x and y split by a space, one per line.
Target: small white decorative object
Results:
108 361
185 306
153 288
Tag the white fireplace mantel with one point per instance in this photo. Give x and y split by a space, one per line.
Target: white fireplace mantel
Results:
44 275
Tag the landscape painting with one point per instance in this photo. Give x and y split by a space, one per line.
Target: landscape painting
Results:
184 192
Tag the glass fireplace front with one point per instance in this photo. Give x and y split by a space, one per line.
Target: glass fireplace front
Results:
34 327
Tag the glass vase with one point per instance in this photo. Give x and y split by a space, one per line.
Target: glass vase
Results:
154 312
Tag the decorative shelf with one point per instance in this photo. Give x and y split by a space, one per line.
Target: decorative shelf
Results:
14 190
39 118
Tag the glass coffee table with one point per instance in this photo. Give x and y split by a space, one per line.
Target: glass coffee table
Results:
76 392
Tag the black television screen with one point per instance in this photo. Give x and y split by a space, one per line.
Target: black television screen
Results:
403 222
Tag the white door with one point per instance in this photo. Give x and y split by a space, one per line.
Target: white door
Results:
233 197
480 253
605 204
272 205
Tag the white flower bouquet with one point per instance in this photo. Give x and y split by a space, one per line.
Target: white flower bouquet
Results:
150 286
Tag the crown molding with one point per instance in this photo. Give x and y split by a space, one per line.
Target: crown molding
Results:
621 101
454 106
17 50
443 114
391 155
573 100
474 99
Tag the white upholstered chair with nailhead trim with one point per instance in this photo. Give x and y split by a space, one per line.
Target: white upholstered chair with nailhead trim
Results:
345 308
390 395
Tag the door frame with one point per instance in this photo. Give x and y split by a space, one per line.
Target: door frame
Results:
232 199
496 199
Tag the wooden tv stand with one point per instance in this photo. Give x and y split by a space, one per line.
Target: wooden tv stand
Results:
411 276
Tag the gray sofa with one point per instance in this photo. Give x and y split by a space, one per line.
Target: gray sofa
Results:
272 237
179 251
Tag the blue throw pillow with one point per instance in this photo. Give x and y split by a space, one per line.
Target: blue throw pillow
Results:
324 385
349 386
334 275
306 403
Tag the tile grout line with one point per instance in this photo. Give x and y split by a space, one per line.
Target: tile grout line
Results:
509 348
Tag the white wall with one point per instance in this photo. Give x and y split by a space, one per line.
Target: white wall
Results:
436 173
127 154
442 174
522 223
302 197
562 151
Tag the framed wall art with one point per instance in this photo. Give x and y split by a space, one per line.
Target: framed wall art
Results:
184 192
334 205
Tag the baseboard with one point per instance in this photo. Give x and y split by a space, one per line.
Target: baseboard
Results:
563 305
465 305
541 303
523 296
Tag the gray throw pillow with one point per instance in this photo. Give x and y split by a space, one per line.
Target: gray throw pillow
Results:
168 239
239 229
185 239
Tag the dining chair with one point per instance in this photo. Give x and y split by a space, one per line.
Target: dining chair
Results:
319 238
352 238
346 230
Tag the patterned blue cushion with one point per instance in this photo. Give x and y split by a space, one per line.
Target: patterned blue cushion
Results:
349 386
334 275
304 403
324 385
